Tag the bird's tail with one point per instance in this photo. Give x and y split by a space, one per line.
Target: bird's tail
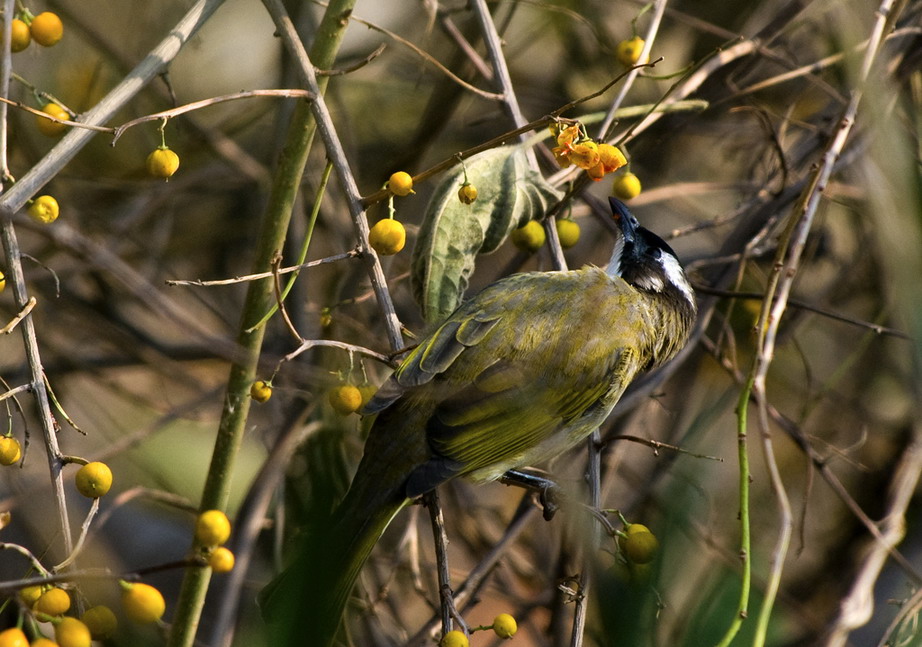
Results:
304 604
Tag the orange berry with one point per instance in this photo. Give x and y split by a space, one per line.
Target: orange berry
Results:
400 183
21 37
46 29
13 638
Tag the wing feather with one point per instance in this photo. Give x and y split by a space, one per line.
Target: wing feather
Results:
488 395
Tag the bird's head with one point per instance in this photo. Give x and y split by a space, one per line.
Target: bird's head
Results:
646 261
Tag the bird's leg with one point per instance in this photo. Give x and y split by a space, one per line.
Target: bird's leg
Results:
549 493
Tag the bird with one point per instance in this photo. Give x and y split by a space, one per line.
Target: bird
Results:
516 375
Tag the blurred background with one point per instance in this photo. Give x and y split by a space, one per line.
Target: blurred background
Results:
142 366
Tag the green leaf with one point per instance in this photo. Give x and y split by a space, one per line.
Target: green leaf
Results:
509 194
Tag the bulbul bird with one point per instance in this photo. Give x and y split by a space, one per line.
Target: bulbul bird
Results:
516 375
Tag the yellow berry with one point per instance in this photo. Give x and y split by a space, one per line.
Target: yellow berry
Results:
567 232
2 281
504 625
10 450
628 51
54 602
454 638
387 237
345 399
30 594
13 638
101 621
94 480
261 391
142 602
44 642
47 126
44 209
70 632
467 193
640 546
46 29
400 183
635 528
529 238
212 528
20 37
626 186
162 162
221 560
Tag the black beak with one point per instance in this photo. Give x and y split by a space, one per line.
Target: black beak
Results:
625 219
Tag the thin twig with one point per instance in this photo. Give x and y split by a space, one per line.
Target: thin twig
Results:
25 552
337 155
649 38
430 59
75 139
264 275
22 314
81 540
198 105
307 344
449 611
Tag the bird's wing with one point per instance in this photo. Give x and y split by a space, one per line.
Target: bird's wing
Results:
509 370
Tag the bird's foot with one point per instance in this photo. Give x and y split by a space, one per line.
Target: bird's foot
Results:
550 495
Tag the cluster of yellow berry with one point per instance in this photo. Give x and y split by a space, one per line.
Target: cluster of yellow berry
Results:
504 626
531 237
141 603
212 530
389 236
50 602
46 29
639 547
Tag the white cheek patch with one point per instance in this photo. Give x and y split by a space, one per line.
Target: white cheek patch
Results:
650 283
676 276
